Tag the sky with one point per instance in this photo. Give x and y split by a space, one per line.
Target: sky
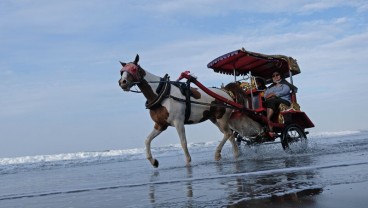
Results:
59 64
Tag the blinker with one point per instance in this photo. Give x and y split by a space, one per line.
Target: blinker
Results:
132 70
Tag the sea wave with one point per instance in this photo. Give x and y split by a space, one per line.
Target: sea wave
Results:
327 134
16 164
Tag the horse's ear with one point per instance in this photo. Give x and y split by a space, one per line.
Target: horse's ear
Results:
136 59
122 63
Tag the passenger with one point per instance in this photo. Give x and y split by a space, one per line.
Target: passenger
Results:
260 84
259 94
278 92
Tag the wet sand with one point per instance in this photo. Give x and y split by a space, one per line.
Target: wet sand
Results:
334 196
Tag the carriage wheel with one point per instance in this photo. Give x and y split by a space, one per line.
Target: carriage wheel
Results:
292 134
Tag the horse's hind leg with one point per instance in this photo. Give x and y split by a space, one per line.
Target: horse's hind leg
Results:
234 145
148 141
219 148
227 136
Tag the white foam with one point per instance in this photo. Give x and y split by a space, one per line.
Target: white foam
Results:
70 156
100 156
327 134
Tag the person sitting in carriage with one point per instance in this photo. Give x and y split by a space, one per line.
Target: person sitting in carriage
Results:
260 83
278 92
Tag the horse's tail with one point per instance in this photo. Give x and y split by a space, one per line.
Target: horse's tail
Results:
237 93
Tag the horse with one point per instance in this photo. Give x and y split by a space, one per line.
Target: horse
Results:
169 107
244 122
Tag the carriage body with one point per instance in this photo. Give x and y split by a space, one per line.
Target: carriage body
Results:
245 65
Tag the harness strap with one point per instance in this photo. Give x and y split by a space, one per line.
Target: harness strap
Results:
187 103
163 90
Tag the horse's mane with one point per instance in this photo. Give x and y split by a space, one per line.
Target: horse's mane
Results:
237 93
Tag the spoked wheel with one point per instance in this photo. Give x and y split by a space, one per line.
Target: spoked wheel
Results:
291 135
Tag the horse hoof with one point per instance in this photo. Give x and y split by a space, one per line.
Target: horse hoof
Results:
155 163
236 154
218 157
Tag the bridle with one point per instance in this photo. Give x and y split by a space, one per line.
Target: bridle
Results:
163 88
136 72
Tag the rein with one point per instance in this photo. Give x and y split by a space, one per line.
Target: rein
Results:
201 103
135 91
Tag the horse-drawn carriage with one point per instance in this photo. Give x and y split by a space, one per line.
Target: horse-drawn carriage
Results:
290 122
175 103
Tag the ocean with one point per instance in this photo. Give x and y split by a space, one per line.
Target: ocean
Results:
124 178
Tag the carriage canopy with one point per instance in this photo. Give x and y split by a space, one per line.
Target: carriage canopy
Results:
241 62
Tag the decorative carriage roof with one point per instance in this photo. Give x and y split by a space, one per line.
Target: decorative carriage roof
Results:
241 62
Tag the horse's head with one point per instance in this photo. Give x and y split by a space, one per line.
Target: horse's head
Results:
131 74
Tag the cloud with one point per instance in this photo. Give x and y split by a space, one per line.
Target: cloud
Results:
62 57
218 7
363 8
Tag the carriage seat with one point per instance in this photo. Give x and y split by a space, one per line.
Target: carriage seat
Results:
258 98
284 108
278 117
257 103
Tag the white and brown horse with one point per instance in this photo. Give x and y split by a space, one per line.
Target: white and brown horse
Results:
167 107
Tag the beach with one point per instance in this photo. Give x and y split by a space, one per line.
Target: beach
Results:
331 172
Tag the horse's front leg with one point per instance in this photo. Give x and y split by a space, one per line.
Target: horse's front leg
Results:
183 140
148 141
